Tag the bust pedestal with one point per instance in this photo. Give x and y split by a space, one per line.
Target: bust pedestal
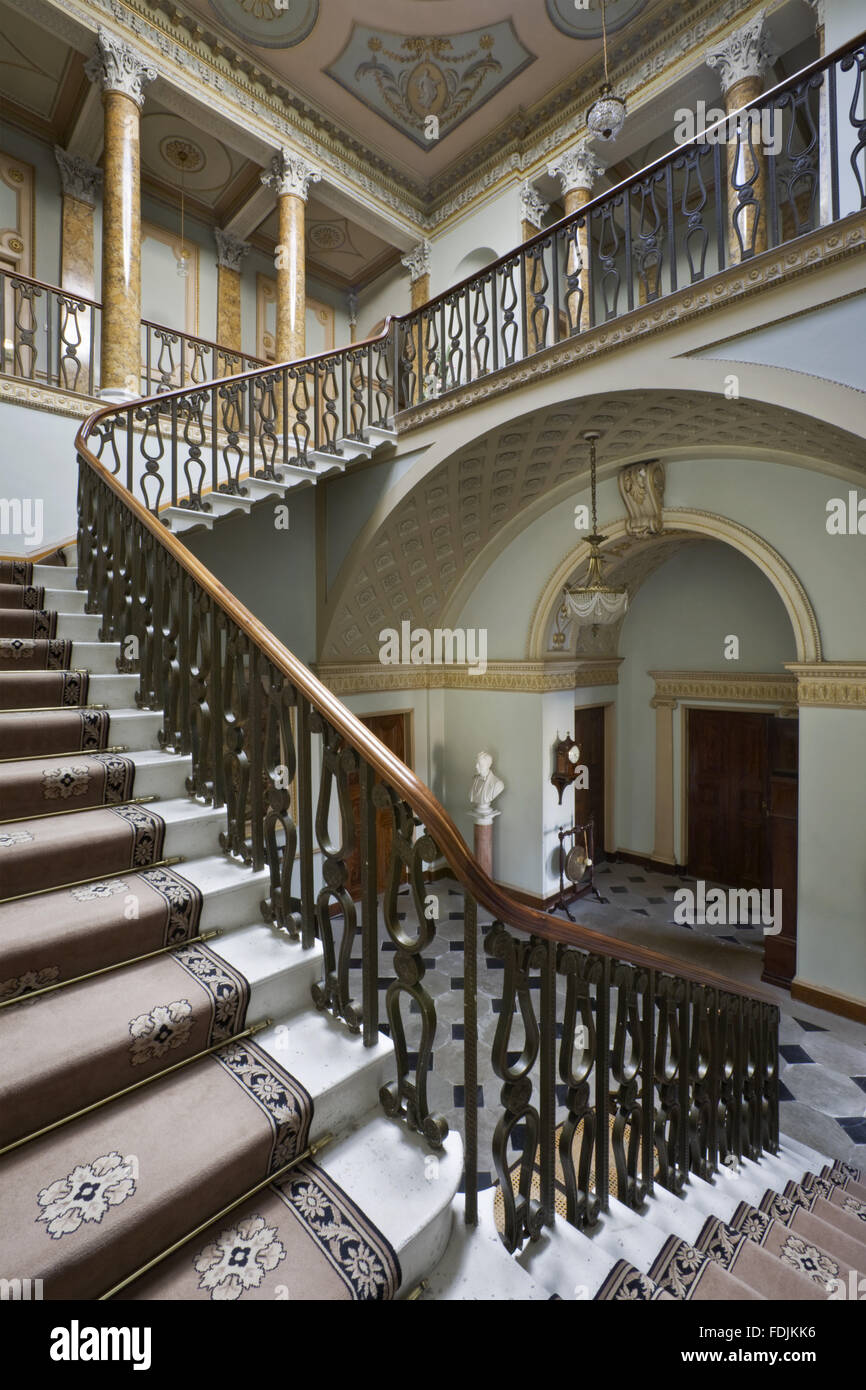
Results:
483 847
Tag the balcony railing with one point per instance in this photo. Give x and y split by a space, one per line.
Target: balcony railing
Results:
51 337
667 1070
698 210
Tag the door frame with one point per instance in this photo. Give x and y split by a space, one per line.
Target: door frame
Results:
609 734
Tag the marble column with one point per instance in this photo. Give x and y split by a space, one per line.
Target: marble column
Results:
533 209
663 849
741 61
230 253
577 170
122 73
417 262
290 176
79 180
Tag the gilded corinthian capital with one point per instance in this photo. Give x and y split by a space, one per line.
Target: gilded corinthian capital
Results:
290 173
119 68
747 52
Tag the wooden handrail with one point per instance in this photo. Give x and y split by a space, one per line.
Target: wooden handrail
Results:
394 772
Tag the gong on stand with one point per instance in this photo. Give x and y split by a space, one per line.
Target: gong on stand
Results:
576 866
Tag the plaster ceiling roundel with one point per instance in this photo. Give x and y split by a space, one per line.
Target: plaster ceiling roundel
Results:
267 23
582 21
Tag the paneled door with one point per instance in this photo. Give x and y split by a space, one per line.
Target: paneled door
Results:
589 801
728 784
393 731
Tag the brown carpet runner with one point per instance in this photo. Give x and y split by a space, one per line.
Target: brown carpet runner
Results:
43 689
61 935
91 1203
28 622
65 1051
16 572
793 1248
34 654
302 1238
21 596
53 731
39 785
54 850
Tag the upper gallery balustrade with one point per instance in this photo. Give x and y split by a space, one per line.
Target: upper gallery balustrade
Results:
714 202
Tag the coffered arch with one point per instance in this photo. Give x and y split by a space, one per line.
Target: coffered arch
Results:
429 542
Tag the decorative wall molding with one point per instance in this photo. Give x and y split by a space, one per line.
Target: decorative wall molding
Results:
18 243
49 398
520 677
834 684
755 687
820 248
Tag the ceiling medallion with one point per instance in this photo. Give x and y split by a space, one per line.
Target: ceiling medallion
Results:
182 154
408 79
266 23
585 23
327 236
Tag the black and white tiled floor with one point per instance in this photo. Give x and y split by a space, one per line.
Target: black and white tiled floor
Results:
823 1057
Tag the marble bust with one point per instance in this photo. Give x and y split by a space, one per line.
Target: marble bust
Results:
486 786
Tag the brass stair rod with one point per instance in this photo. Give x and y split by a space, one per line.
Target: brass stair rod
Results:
106 969
70 753
309 1152
80 882
136 1086
71 810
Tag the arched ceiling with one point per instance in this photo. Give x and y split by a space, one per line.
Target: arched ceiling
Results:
411 567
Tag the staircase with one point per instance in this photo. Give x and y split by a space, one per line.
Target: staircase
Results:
189 1066
181 1123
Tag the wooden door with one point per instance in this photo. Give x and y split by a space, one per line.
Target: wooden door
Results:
780 951
727 820
393 732
589 801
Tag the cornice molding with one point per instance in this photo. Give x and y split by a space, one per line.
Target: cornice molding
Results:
833 684
754 686
54 400
519 677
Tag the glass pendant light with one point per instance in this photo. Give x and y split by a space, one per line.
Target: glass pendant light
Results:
606 116
595 604
183 259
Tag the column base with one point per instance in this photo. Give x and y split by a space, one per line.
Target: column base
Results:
118 395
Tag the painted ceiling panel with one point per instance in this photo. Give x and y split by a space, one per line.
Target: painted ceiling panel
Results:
407 79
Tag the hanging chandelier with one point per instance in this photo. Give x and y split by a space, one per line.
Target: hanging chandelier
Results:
595 604
606 116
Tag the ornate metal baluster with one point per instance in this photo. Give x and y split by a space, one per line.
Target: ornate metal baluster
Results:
263 433
648 246
408 354
191 409
200 783
523 1217
745 173
26 326
280 830
358 388
301 427
692 205
71 338
770 1070
857 119
151 447
433 365
330 417
384 388
798 172
573 261
165 363
508 302
232 416
626 1070
669 1118
454 357
608 250
539 284
174 631
577 1059
701 1160
333 992
407 1098
236 741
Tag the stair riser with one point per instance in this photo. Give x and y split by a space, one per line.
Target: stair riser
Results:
116 691
193 838
78 627
165 779
55 576
135 731
100 658
280 973
66 600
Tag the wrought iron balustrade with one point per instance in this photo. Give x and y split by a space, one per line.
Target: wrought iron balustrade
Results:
624 1066
667 1069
